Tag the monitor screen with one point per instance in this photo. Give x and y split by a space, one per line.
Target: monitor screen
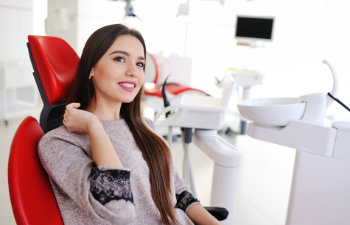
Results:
254 27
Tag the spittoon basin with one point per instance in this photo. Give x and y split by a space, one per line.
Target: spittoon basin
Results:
272 111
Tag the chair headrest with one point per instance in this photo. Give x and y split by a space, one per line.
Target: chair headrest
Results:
56 63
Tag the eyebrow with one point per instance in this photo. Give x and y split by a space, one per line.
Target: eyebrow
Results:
125 53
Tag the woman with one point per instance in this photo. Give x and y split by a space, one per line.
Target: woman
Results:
106 164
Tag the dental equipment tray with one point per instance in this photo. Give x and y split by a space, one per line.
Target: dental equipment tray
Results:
195 111
272 111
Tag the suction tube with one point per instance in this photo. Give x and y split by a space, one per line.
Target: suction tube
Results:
335 83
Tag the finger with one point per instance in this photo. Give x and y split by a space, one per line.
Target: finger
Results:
75 105
69 106
67 112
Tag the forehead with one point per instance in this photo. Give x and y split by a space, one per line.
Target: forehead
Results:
128 43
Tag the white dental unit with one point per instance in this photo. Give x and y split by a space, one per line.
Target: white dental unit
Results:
206 115
244 80
320 191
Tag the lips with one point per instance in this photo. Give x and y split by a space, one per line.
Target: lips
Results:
127 85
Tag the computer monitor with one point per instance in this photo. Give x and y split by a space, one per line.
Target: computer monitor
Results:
254 28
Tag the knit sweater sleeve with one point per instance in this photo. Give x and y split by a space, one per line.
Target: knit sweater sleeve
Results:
185 200
104 193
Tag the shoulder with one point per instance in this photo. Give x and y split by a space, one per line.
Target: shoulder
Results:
61 136
60 133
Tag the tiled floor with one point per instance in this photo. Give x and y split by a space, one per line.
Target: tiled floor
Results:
264 180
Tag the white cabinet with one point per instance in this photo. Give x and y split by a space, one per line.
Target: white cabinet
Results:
18 91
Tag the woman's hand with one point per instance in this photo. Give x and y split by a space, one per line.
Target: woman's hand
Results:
84 122
201 216
77 120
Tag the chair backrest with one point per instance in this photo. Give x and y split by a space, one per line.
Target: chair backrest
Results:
55 63
33 201
32 198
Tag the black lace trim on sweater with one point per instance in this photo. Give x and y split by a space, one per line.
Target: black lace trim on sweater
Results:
184 200
107 185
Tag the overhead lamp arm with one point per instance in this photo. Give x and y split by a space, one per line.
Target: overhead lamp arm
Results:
129 9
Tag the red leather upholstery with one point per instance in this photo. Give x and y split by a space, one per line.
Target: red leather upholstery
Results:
33 201
174 89
56 63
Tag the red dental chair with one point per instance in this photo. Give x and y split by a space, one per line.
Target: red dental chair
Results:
32 198
33 201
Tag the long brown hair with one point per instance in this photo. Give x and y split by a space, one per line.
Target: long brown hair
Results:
154 150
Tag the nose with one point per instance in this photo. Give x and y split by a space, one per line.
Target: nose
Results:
131 70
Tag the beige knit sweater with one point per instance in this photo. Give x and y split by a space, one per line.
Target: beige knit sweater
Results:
87 194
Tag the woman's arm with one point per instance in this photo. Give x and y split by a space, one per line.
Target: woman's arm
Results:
200 216
190 205
80 121
103 152
101 191
99 185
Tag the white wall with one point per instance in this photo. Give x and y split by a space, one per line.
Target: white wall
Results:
62 20
16 22
18 92
305 32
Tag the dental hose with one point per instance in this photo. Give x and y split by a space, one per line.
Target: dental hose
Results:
338 101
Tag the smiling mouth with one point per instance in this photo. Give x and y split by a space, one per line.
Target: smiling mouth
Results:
128 86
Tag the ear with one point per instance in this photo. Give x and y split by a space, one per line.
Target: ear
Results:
91 73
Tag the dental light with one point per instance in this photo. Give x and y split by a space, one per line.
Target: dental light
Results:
129 9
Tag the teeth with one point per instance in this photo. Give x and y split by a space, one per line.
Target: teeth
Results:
127 85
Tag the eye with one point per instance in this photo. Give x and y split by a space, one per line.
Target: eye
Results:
140 64
119 59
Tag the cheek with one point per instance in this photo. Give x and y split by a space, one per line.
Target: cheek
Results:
142 77
102 82
104 75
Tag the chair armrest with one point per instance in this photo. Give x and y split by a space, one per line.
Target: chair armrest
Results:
218 212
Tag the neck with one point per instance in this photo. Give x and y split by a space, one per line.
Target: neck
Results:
106 110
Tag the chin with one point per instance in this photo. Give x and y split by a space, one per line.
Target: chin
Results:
128 100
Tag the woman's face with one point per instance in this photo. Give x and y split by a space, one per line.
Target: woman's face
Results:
119 74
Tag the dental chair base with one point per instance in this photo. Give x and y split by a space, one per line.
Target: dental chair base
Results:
320 186
320 191
226 169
